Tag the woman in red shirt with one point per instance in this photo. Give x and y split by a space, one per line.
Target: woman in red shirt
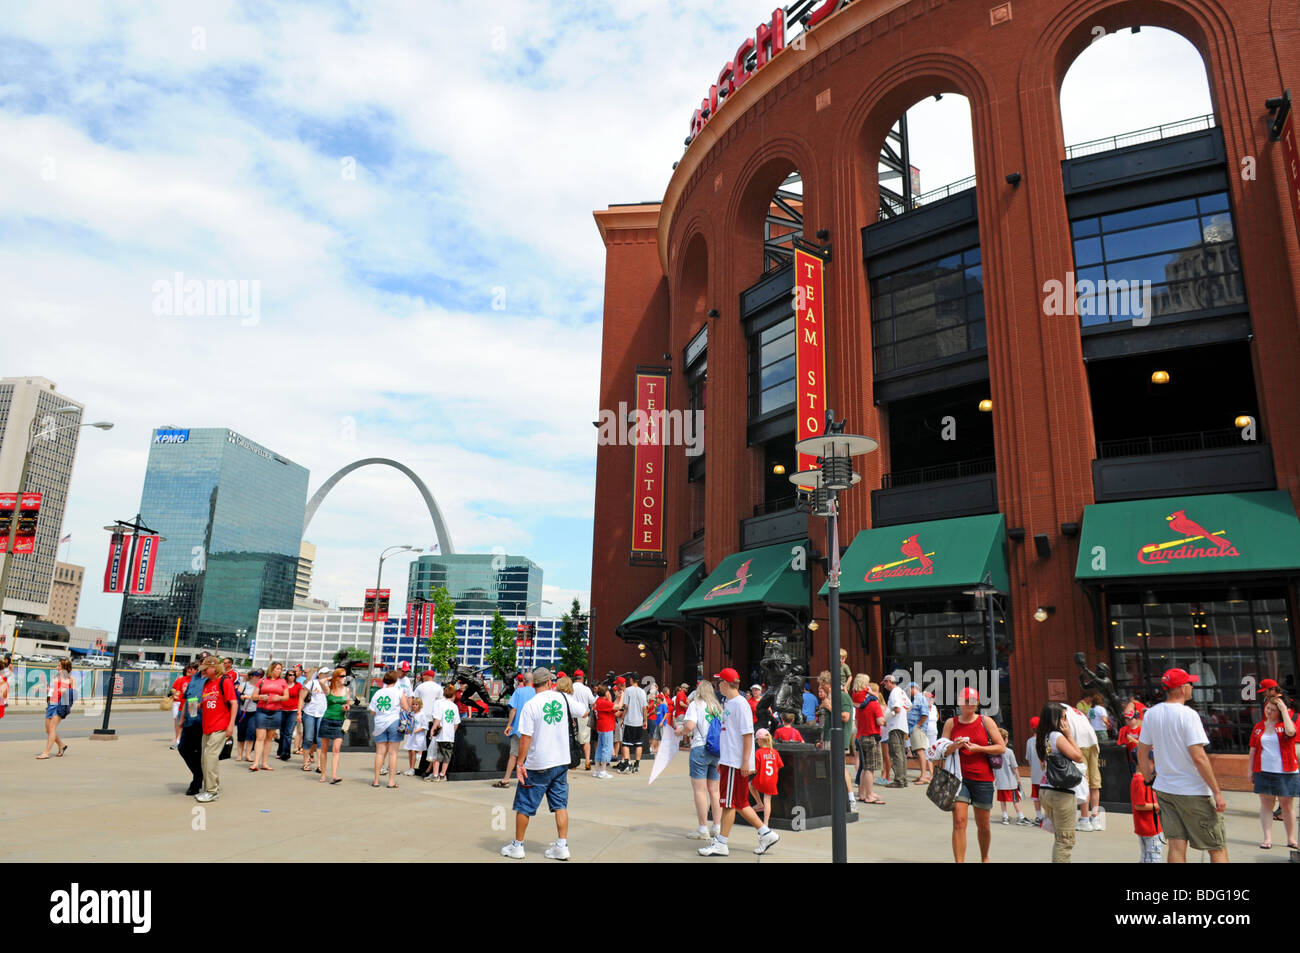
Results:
604 732
271 694
60 697
976 737
870 716
1274 770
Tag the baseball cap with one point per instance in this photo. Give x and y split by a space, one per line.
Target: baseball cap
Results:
620 680
579 673
913 685
1176 678
1267 683
428 673
752 687
1033 723
729 675
406 666
889 678
968 694
541 675
762 733
561 675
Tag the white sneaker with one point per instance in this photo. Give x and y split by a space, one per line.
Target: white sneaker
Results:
204 797
700 833
714 849
1006 819
765 841
513 851
1083 824
556 852
383 771
409 772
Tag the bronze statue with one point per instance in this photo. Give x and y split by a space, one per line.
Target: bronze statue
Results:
471 685
784 692
1100 683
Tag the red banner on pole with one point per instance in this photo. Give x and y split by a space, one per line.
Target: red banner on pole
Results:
810 352
115 572
426 620
375 608
146 554
412 620
29 508
8 508
648 509
1291 161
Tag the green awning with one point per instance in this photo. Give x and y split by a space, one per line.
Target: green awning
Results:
1189 535
754 578
661 606
935 555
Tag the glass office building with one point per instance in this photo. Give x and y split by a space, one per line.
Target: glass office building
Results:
479 584
231 512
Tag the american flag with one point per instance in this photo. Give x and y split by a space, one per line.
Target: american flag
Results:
66 539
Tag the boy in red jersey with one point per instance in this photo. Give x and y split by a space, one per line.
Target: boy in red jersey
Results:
788 732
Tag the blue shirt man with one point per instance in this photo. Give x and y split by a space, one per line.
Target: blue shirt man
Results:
920 707
809 705
521 695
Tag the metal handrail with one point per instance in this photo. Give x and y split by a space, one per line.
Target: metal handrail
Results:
1138 136
1169 443
779 505
946 471
891 209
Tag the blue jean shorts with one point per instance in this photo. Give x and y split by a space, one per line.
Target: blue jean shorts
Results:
60 710
1271 784
978 794
604 746
391 734
703 764
552 782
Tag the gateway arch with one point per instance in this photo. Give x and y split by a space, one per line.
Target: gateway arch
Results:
445 545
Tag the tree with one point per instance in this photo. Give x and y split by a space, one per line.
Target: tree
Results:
573 639
441 646
503 655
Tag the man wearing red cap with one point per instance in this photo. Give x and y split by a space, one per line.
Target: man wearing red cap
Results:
736 764
1172 759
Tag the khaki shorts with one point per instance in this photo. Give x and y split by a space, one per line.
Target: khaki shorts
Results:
919 741
1092 767
1192 817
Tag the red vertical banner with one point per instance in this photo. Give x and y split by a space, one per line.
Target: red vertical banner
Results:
29 509
146 554
426 620
115 572
8 511
412 628
648 490
1291 161
382 597
368 607
809 351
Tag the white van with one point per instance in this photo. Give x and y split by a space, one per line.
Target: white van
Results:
149 664
99 661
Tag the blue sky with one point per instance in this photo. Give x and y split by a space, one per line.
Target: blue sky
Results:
412 185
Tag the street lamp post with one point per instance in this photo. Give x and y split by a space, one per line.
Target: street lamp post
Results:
374 623
22 486
136 527
834 451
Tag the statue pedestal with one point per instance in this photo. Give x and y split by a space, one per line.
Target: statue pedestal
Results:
1116 776
482 750
359 733
803 798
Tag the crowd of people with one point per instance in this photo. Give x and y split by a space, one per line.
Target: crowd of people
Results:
556 723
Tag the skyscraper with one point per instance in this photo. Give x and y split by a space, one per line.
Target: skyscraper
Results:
231 512
27 405
479 583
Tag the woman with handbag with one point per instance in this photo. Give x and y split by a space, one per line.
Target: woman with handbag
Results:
60 696
976 739
1062 763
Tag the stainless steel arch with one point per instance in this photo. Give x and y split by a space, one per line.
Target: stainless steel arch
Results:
445 545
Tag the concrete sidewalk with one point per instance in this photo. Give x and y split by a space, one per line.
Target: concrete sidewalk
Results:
123 801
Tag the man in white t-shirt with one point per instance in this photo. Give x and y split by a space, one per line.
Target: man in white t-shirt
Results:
634 705
404 682
543 767
429 691
1172 760
1089 790
896 708
584 695
735 765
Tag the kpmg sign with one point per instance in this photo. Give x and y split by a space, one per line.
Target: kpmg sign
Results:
171 436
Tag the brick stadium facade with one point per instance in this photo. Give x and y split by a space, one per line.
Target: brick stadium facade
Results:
824 110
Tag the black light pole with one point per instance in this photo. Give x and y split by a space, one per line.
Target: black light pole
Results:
136 527
834 451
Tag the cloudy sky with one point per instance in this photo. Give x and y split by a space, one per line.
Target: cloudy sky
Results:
411 185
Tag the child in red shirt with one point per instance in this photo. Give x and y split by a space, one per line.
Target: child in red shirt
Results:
1146 818
767 767
787 731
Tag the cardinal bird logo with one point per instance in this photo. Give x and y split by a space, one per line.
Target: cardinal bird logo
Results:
915 553
653 597
731 586
1194 542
